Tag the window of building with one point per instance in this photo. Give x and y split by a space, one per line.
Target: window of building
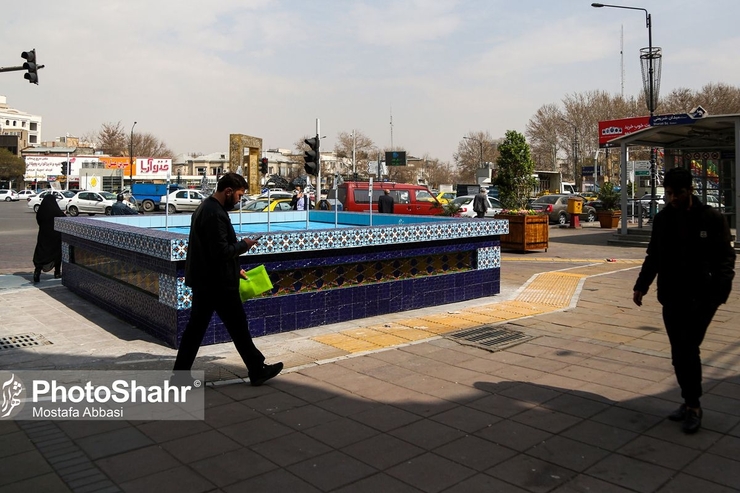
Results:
34 126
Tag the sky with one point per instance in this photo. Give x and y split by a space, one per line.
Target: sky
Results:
193 72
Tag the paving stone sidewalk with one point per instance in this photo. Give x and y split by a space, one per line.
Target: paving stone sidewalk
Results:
580 406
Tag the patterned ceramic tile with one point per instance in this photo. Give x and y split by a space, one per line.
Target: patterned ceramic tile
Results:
320 276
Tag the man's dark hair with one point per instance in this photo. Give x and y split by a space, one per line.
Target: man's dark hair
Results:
678 178
231 180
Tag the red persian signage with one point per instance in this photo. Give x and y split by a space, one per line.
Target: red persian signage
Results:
611 129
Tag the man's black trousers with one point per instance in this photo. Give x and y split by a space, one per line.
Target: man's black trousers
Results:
686 325
229 308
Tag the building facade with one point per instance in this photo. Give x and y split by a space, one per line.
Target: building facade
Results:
25 127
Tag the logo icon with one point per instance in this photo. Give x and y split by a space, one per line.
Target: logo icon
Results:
11 401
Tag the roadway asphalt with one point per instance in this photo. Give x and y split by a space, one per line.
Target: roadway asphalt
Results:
578 403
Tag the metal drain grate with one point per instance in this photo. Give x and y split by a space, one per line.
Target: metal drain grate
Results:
22 341
490 337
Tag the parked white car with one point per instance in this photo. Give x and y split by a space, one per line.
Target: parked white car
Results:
91 203
63 197
26 194
182 200
466 206
8 195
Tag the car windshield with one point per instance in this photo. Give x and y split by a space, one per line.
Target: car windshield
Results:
108 196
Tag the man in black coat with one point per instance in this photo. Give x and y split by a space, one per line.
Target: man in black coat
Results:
480 203
121 209
212 270
385 202
691 253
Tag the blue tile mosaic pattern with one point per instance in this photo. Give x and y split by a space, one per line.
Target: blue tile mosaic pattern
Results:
173 246
422 262
489 258
287 313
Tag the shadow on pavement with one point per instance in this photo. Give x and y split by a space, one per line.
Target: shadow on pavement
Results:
435 416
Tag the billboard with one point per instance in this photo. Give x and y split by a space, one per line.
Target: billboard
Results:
395 158
153 168
612 129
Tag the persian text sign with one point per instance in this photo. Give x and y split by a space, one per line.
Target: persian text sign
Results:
152 166
101 395
37 167
611 129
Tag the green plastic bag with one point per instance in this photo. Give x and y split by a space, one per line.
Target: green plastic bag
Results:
257 283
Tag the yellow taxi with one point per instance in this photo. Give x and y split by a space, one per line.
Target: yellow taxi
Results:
446 197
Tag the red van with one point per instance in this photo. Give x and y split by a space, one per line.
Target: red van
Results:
407 198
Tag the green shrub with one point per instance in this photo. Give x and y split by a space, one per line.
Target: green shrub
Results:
609 197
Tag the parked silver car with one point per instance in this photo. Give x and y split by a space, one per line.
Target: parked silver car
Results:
182 200
465 202
63 197
91 203
8 195
556 206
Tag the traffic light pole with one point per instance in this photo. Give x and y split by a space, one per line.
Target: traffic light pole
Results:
317 188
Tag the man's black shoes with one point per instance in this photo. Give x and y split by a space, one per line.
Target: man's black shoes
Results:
679 414
266 373
692 422
691 418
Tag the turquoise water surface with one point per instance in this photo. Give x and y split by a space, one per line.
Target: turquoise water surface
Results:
262 227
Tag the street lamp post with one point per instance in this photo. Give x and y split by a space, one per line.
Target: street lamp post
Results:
131 157
652 53
575 149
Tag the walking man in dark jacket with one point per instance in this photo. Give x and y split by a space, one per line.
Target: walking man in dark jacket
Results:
121 209
385 202
480 203
212 270
691 254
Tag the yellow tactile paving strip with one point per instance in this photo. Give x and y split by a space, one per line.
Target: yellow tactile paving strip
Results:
547 292
554 289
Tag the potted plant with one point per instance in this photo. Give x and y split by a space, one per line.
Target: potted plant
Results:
610 212
528 230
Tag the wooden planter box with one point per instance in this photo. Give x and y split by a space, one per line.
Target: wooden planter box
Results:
609 219
526 232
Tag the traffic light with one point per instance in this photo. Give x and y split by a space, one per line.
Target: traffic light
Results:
65 168
32 75
312 157
263 166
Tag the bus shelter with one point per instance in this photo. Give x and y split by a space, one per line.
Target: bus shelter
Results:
706 145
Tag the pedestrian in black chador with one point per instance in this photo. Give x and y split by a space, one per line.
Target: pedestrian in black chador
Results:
691 253
48 252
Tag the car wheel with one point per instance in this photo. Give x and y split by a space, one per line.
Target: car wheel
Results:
108 210
36 208
147 205
591 216
73 211
7 199
171 209
562 218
